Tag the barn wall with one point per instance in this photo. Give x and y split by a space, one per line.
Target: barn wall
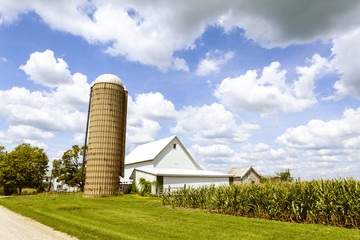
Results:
174 158
147 176
194 181
129 169
251 177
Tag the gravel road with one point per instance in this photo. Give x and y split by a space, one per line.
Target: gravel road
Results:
16 227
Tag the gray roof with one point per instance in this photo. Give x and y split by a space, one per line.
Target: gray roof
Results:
241 171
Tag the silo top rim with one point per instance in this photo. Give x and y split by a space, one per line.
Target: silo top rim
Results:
109 78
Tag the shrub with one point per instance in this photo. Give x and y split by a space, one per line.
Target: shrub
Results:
145 187
134 189
118 193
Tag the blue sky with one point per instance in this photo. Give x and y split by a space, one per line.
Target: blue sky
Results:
273 85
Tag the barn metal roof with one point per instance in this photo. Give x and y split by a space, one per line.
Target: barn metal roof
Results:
147 151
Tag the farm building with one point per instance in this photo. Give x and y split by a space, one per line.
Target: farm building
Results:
170 165
244 175
55 185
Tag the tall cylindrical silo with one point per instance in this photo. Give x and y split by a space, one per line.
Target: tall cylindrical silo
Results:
107 132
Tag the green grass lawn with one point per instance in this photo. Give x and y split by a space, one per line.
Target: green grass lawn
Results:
134 217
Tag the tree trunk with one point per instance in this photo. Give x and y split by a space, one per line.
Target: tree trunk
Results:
20 190
50 183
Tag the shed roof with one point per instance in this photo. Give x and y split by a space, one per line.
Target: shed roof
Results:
173 172
241 171
147 151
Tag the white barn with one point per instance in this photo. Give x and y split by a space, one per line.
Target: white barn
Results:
170 165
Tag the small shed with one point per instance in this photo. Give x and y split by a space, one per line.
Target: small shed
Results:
243 175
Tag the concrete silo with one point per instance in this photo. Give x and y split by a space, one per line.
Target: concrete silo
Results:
107 133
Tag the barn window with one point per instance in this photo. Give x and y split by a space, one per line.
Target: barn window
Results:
174 146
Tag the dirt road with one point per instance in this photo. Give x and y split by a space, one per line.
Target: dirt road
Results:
16 227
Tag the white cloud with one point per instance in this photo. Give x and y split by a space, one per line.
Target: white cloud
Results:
262 152
180 64
39 115
212 62
143 114
270 91
152 106
262 157
317 134
215 150
212 124
4 59
346 51
22 107
305 85
19 133
73 95
140 130
151 32
324 148
36 143
44 69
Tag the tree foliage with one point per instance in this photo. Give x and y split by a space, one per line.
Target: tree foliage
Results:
68 168
284 176
25 166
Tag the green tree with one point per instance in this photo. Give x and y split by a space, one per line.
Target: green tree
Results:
4 189
68 168
284 176
25 166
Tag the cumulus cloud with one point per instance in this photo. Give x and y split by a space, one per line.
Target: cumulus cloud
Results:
151 32
212 124
212 62
42 68
152 106
346 51
317 134
179 64
18 134
216 157
22 107
35 115
140 130
262 157
262 151
270 91
323 148
215 150
143 116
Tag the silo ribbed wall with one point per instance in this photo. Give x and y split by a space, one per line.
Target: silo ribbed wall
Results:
106 148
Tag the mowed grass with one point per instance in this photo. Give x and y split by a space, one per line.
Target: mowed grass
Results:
134 217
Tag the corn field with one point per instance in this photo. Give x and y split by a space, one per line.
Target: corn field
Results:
331 202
